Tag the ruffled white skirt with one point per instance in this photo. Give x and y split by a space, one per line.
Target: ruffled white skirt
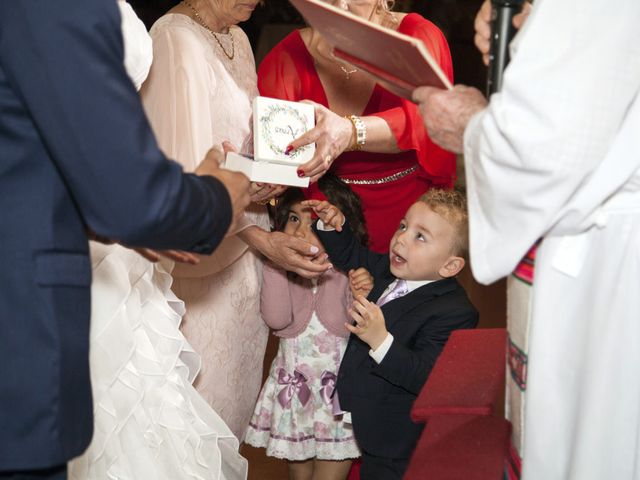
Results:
150 423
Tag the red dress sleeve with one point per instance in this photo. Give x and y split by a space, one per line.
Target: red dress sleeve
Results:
277 74
405 121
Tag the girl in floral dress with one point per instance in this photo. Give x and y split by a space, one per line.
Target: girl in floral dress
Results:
297 417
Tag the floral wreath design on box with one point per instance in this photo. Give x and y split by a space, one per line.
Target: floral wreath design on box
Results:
280 125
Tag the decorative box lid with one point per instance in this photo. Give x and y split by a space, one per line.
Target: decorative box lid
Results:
276 123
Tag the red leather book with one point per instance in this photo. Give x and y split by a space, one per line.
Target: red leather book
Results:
398 60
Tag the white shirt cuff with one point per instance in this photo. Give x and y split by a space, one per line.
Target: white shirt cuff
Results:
380 352
326 228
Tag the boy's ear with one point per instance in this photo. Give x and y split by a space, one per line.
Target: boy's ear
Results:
451 267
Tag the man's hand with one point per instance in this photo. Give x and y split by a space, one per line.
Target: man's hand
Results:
360 282
237 184
482 27
328 213
369 326
446 113
148 253
175 255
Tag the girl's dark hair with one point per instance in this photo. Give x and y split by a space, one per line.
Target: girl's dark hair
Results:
339 194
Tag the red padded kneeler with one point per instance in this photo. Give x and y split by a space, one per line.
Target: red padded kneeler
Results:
461 447
468 377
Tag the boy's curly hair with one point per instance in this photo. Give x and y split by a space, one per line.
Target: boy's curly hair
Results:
339 194
452 206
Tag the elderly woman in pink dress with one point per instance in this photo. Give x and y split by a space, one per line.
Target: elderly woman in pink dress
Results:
199 93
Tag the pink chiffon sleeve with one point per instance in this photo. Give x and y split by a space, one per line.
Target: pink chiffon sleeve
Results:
281 73
175 96
176 100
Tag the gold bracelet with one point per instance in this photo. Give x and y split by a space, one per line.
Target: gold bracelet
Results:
359 133
353 144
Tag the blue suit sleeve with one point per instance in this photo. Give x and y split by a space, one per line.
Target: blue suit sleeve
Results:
64 59
346 253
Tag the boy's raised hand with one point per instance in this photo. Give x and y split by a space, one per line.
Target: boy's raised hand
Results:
328 213
369 326
360 282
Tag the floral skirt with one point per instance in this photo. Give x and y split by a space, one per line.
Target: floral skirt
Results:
294 417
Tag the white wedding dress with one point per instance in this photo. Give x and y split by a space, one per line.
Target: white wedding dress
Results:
150 423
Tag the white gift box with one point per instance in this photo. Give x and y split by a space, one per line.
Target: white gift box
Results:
265 172
276 123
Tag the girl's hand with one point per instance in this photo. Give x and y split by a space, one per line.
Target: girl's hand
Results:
328 213
369 326
332 136
360 282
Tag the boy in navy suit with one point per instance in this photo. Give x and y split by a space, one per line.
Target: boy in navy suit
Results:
401 329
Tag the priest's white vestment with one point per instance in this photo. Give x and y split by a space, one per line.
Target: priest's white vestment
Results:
556 156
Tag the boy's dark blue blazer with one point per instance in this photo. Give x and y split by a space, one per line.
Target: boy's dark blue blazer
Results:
380 396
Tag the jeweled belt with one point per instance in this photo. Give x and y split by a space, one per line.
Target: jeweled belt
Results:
377 181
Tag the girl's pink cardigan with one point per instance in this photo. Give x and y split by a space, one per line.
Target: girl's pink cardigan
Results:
287 304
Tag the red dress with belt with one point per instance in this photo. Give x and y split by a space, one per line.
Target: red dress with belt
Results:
387 183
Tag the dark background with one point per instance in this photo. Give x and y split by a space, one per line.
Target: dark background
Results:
273 20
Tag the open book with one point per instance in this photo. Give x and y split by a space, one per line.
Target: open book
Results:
394 58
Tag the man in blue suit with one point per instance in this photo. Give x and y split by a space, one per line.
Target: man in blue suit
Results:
76 154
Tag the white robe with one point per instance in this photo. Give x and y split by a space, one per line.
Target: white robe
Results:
557 155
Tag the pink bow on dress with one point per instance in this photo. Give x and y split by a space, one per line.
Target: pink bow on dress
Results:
328 391
294 384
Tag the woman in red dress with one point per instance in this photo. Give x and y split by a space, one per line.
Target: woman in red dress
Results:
397 162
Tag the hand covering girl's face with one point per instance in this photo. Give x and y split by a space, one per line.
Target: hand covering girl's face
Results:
299 222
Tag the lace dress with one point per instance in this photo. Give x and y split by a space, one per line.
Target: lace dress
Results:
196 97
